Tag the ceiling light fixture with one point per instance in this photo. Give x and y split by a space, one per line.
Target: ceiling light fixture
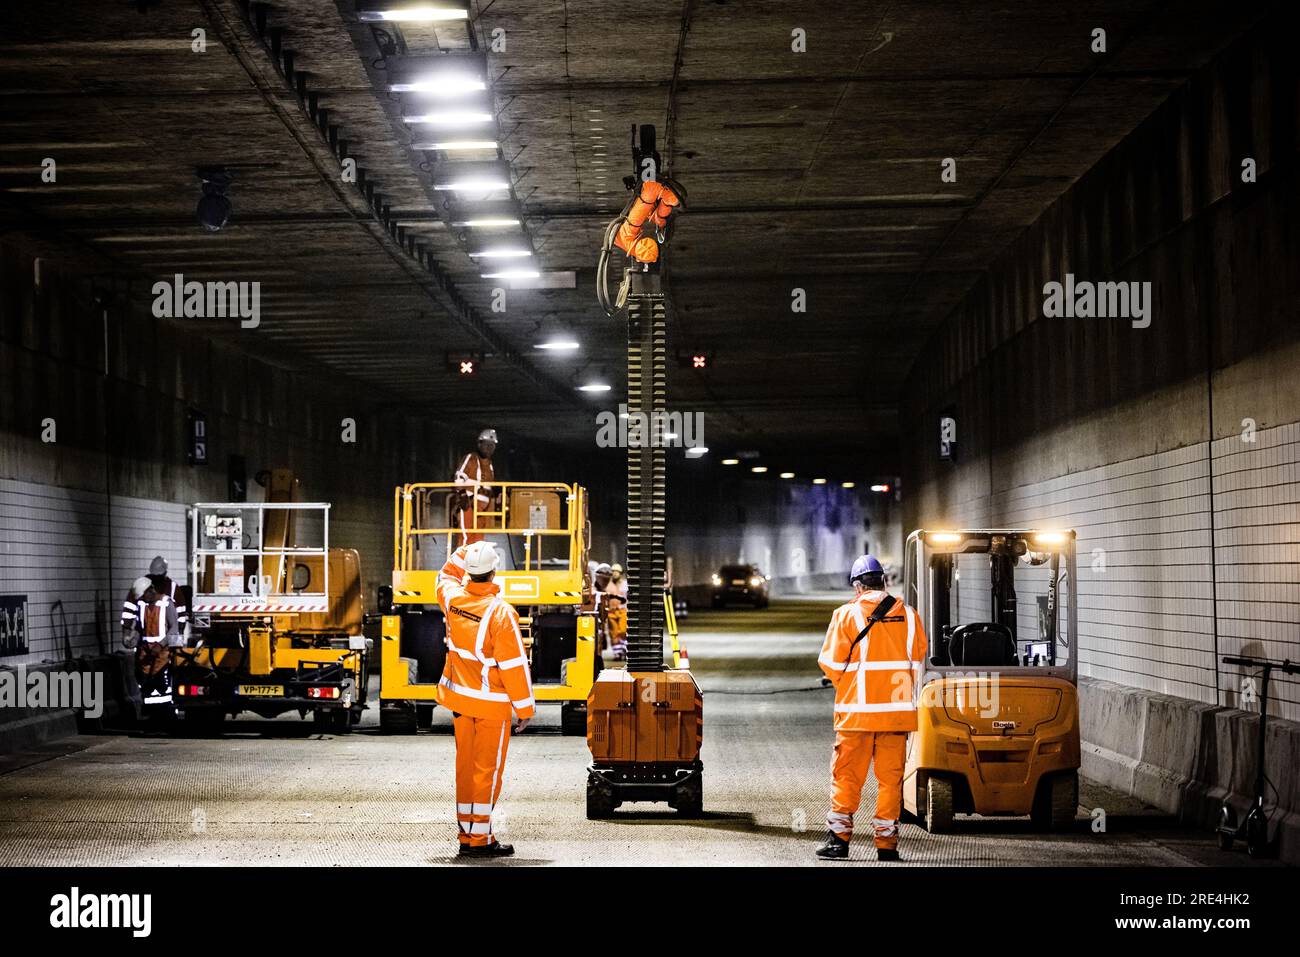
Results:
394 11
512 274
486 223
558 345
440 86
594 387
449 118
449 146
501 254
473 185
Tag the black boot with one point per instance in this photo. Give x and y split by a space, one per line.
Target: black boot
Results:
887 854
835 848
495 849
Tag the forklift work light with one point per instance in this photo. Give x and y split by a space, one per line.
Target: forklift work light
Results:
945 538
1049 538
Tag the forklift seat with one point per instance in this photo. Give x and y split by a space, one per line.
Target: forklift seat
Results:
983 644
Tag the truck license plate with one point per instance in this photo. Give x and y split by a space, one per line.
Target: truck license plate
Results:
262 691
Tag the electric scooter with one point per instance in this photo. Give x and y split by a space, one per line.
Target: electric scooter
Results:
1254 829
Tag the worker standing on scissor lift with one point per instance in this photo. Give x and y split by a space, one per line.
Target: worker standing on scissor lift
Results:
873 655
485 679
476 474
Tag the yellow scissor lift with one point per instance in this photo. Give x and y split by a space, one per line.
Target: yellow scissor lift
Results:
542 531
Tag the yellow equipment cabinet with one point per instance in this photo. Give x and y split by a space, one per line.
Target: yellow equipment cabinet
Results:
998 714
542 532
276 624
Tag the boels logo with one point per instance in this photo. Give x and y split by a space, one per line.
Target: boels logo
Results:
1005 725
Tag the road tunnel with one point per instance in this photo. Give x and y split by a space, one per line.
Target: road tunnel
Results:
598 391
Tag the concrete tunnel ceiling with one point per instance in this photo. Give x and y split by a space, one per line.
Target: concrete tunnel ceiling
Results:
816 170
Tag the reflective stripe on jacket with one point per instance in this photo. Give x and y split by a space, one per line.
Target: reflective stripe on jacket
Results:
486 674
475 468
877 689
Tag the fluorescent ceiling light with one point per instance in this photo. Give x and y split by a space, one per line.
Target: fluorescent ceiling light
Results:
501 254
819 481
486 223
449 146
880 488
449 118
787 475
558 345
847 484
424 13
594 387
759 469
670 436
696 451
473 185
512 274
440 86
731 461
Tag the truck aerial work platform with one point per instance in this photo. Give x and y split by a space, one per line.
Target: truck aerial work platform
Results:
277 615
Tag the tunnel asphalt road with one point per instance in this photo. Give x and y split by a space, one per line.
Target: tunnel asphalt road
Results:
275 793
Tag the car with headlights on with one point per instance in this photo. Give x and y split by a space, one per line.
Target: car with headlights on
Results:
740 583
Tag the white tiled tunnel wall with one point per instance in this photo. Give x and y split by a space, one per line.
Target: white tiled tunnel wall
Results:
1147 573
54 548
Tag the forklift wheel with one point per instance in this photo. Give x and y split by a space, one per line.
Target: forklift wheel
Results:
1056 802
424 716
935 798
601 802
573 718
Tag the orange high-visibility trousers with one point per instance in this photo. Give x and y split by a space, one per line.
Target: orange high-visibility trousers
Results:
855 752
481 745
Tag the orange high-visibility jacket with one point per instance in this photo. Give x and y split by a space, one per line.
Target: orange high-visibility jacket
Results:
475 468
486 674
877 690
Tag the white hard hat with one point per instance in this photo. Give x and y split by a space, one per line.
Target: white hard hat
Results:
488 435
481 558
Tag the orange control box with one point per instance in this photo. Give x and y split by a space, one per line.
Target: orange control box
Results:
645 717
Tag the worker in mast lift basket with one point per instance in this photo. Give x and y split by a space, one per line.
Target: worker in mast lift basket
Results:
485 680
873 655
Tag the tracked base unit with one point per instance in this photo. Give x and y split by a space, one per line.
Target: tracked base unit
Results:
645 730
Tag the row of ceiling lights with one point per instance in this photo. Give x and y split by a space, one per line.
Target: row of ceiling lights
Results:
462 123
763 469
461 129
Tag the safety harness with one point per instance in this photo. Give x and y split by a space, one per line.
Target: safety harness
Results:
886 605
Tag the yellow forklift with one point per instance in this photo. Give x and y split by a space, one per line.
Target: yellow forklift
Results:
277 615
998 714
542 531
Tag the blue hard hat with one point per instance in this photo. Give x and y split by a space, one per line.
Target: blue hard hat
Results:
865 565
